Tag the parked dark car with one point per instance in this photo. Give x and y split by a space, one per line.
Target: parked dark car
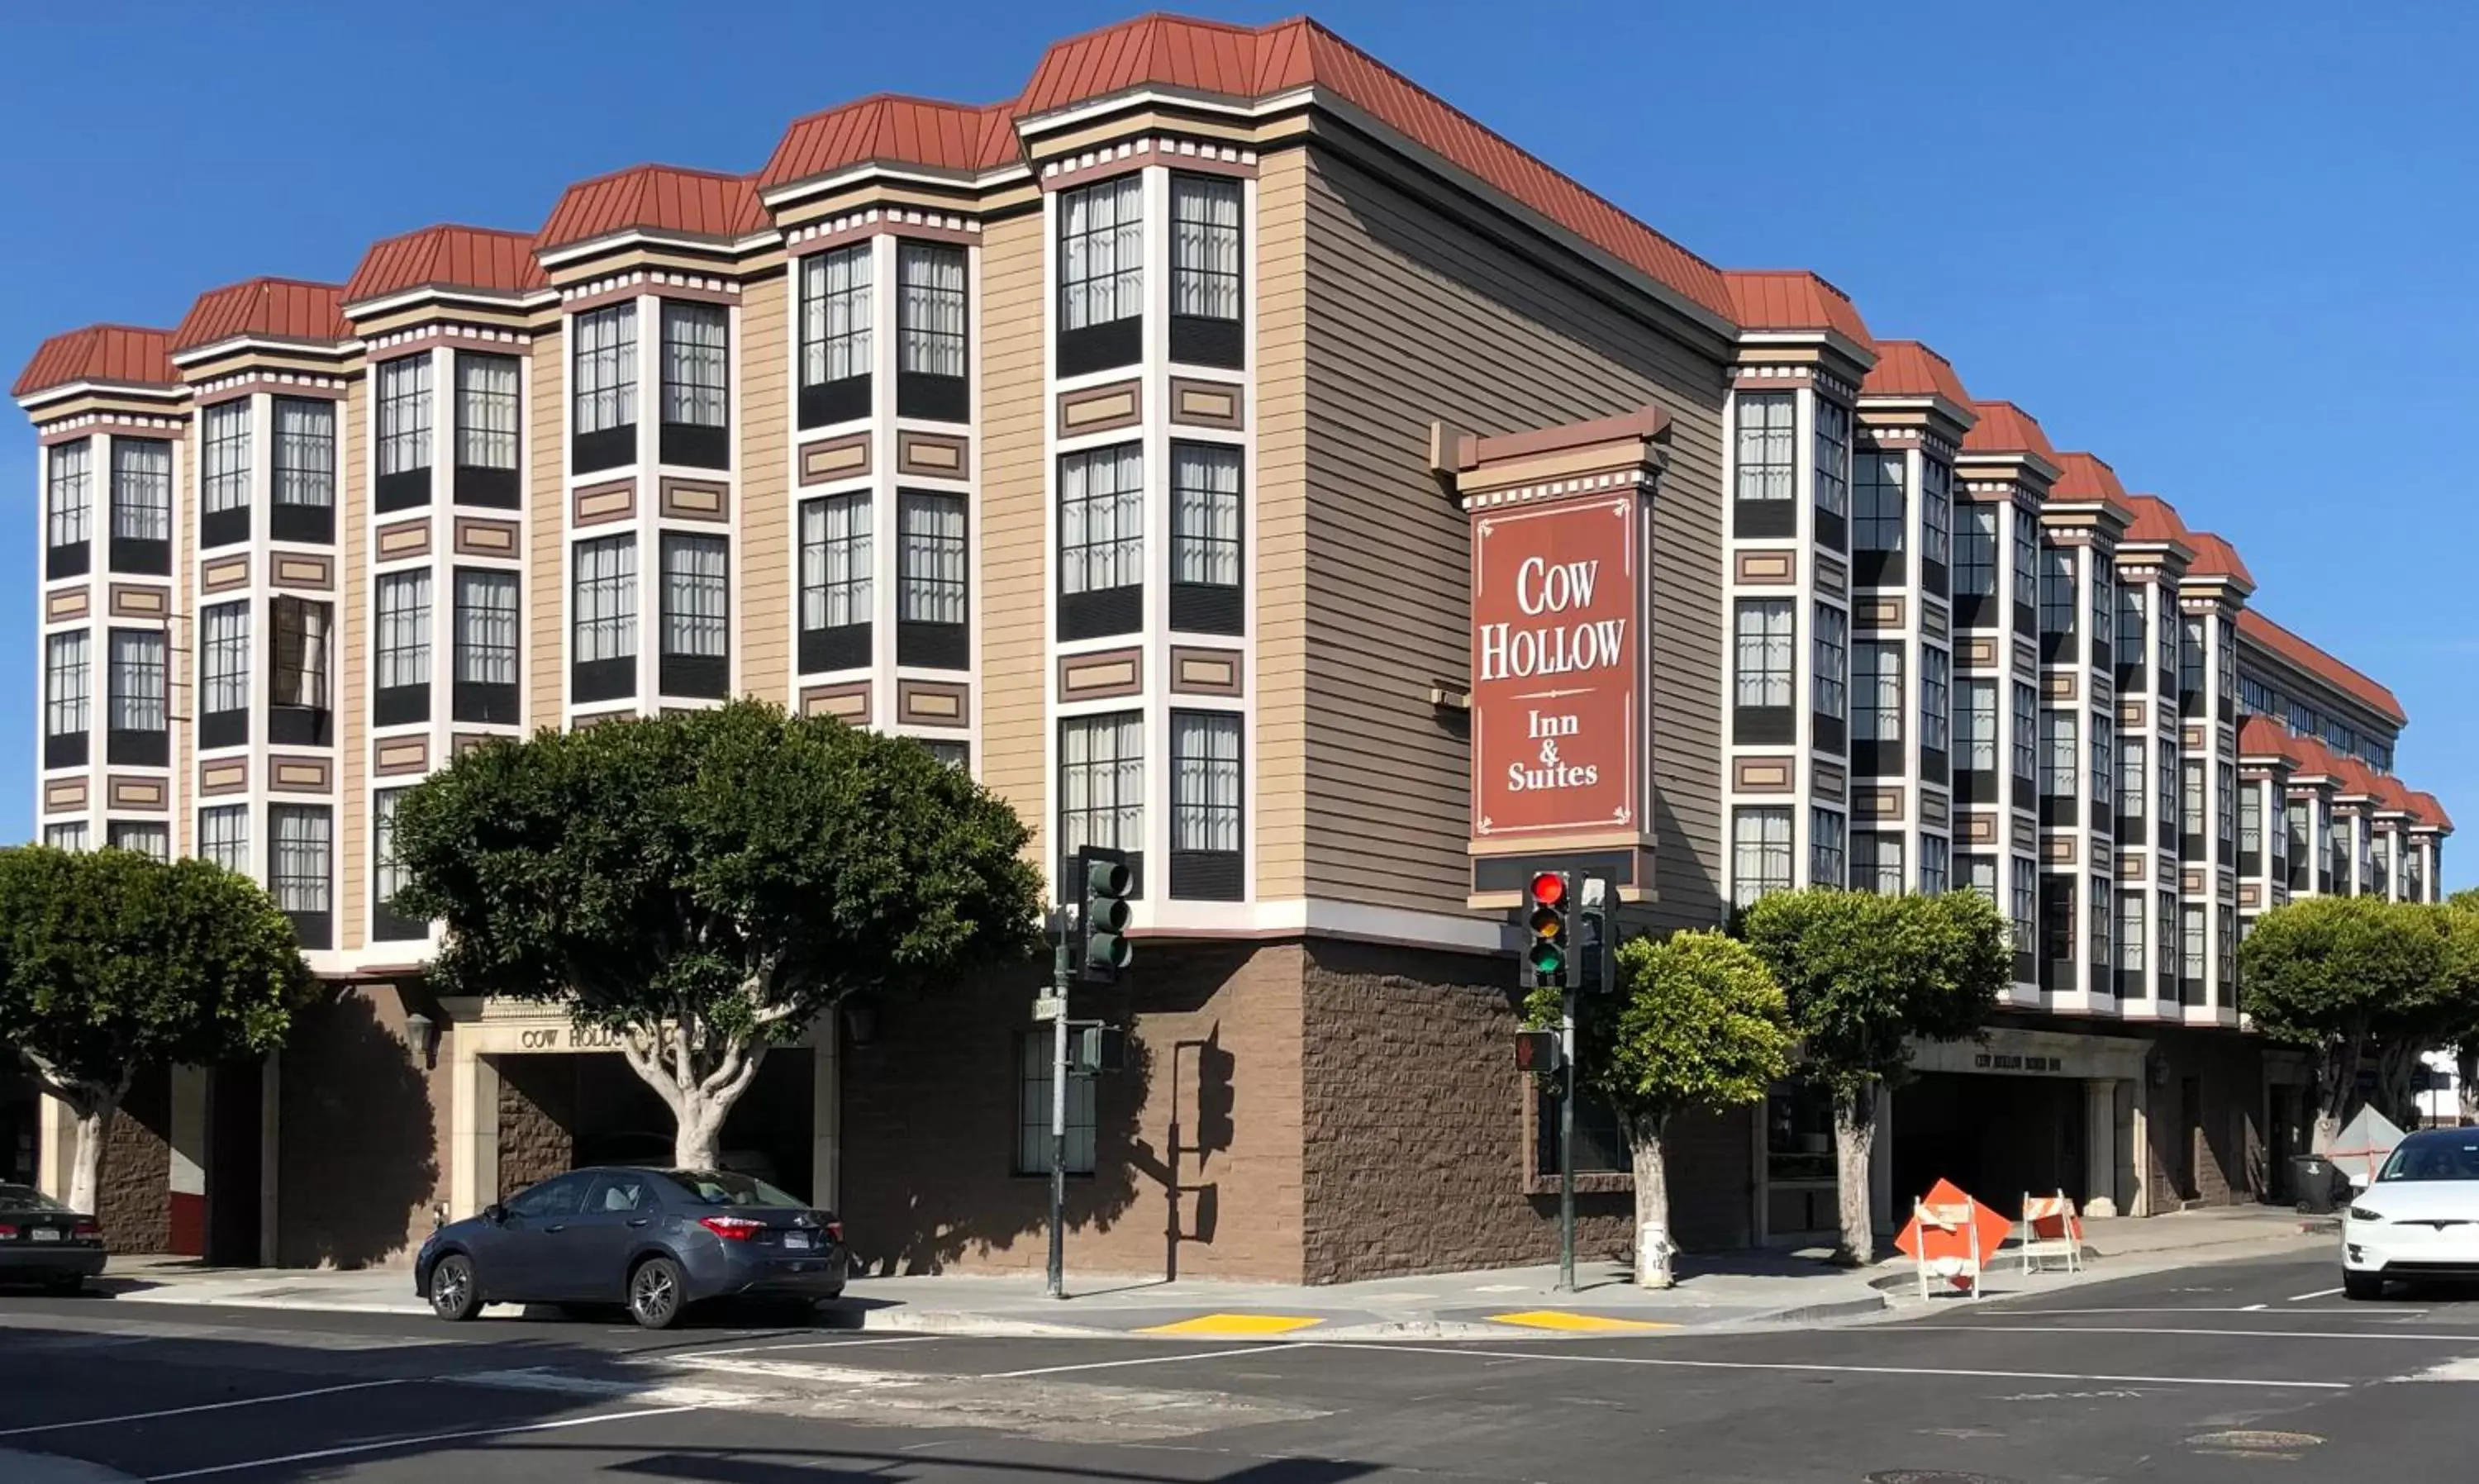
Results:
656 1240
42 1241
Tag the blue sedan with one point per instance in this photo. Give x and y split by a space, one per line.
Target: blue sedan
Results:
655 1239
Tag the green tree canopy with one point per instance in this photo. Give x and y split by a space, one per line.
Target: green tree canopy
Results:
706 884
113 964
2342 976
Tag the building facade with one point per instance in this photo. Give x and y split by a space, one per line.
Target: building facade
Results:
1134 443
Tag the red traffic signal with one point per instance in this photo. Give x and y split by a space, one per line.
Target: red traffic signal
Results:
1550 888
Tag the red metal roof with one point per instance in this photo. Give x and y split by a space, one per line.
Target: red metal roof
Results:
2154 520
1237 62
1905 367
1793 299
446 257
100 352
2216 558
654 197
2085 476
275 308
891 129
2261 736
2429 811
2324 667
2006 429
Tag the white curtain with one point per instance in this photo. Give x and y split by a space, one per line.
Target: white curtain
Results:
305 449
146 840
835 584
1760 853
404 413
1765 662
405 630
695 354
486 628
141 489
1205 512
1205 247
1101 500
68 484
66 682
607 368
930 309
834 315
933 558
1767 468
1205 784
224 637
1102 252
486 411
1102 782
137 680
693 597
299 868
223 836
224 474
389 874
606 599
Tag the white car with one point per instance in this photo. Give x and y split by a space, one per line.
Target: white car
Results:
2418 1218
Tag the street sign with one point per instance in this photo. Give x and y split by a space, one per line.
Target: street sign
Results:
1047 1007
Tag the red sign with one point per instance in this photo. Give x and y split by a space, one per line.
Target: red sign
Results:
1556 731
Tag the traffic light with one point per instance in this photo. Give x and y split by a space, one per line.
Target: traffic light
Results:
1101 1048
1596 937
1538 1051
1546 954
1106 884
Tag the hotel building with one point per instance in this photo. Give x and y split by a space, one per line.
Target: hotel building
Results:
1138 444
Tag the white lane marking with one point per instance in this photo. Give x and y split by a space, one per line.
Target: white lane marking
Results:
2146 1329
2362 1311
809 1344
1152 1359
2254 1308
204 1406
2300 1299
2466 1369
1810 1366
420 1439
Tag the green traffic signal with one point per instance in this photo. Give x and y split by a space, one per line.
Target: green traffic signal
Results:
1546 958
1108 883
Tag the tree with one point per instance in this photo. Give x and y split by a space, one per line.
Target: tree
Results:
705 886
1696 1022
114 964
2459 917
2342 976
1866 975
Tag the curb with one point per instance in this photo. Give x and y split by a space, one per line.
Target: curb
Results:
54 1468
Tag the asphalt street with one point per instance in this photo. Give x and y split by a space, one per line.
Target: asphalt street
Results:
2216 1372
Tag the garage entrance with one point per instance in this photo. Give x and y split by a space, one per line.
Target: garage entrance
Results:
560 1111
1995 1136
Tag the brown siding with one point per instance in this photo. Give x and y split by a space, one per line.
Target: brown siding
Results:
1281 529
1413 318
765 557
546 557
1013 491
353 668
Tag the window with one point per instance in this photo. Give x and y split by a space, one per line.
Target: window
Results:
1824 854
603 615
1980 875
403 671
68 485
2056 602
2027 722
2129 943
603 410
136 723
2167 647
1102 786
404 432
929 360
1936 855
2168 798
1936 700
1764 654
930 606
2130 628
1878 525
2191 663
2190 806
2058 760
952 753
1205 270
2225 806
2027 905
1936 511
298 677
149 838
486 428
1832 450
2250 804
1036 1059
1759 853
1876 863
1975 725
2129 776
834 336
1876 686
560 1197
299 868
1101 542
2027 562
2100 922
696 385
2104 611
2301 852
2104 763
1767 463
223 836
68 668
2190 939
387 875
486 647
1101 274
1205 859
696 658
142 505
836 586
224 675
2227 648
1832 652
1975 554
65 836
2058 932
223 471
1205 539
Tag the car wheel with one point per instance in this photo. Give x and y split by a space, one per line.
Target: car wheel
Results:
654 1296
454 1295
2363 1285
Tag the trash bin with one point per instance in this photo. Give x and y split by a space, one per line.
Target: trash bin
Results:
2320 1185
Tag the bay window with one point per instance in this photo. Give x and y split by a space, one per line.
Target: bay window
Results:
602 640
2132 642
2104 612
68 503
1830 695
1206 863
696 658
400 683
2251 830
2132 961
1875 707
1760 853
68 685
71 836
488 430
1832 448
223 836
1975 741
1766 466
836 318
301 869
1102 789
2060 760
1936 715
2026 723
2025 914
1204 595
2103 768
2027 571
696 385
1975 566
300 673
1936 524
1877 536
931 368
1876 863
836 583
2058 604
404 432
1101 542
223 472
1764 672
224 675
1936 866
387 874
1205 270
142 506
1101 275
304 476
134 728
485 685
602 407
151 838
1826 833
931 616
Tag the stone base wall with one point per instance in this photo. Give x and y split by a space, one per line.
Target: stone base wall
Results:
134 1189
2218 1144
362 1131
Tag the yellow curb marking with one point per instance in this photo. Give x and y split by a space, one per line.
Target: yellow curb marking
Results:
1235 1324
1556 1318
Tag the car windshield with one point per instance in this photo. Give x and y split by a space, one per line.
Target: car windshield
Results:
25 1197
728 1188
2455 1158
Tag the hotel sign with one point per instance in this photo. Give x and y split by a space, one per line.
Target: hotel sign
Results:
1557 624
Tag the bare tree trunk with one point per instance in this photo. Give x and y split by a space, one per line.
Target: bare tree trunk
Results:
93 1128
1855 1140
1651 1203
2466 1069
700 1084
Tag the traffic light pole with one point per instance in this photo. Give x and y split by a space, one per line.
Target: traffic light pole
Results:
1062 976
1566 1144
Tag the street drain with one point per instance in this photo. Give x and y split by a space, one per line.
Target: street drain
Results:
2250 1441
1931 1476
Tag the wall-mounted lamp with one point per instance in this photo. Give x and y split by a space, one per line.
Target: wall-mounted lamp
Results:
421 1034
860 1022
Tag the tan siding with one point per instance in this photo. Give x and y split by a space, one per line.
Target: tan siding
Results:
1413 318
765 557
181 648
547 529
1281 822
1013 491
352 672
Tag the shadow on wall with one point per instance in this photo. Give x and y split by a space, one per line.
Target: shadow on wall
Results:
357 1147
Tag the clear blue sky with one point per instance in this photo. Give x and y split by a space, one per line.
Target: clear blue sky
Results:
2229 252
